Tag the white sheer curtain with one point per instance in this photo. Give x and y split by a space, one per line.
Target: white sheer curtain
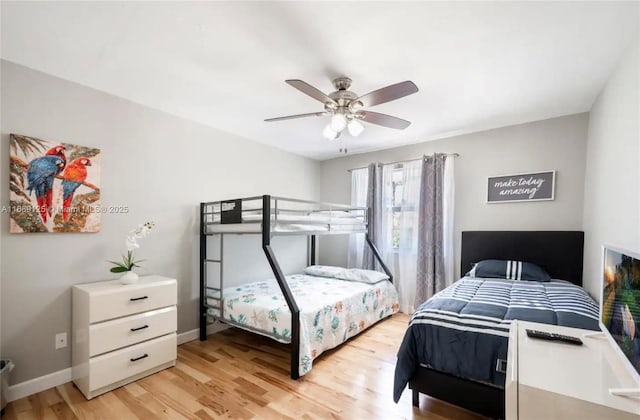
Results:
448 216
359 180
399 224
400 194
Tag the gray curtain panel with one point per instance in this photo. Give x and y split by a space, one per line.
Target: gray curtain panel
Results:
374 203
430 277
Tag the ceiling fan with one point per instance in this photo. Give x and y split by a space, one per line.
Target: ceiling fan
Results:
345 106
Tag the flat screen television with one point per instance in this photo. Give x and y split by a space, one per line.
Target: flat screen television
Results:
620 305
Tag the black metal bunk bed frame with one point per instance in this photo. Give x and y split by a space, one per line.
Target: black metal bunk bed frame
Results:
266 232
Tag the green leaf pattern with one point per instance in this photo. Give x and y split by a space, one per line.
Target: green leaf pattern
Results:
342 310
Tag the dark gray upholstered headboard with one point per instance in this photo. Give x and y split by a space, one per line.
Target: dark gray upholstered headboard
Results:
560 253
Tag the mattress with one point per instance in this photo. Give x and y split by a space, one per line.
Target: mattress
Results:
316 222
255 227
331 310
464 329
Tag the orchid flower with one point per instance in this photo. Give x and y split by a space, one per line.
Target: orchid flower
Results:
131 242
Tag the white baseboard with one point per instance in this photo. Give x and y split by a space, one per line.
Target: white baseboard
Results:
187 336
41 383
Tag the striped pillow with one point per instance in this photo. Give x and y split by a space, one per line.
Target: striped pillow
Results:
510 270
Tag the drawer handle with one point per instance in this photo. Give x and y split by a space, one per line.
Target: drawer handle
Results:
140 298
135 359
140 328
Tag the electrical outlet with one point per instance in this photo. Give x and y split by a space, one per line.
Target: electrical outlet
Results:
61 340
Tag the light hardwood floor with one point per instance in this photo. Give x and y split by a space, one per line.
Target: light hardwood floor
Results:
240 375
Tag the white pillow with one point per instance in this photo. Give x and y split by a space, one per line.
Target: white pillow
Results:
365 276
323 271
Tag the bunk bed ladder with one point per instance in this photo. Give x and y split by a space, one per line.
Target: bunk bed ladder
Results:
205 288
217 291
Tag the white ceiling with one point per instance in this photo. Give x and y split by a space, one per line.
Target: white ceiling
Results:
478 65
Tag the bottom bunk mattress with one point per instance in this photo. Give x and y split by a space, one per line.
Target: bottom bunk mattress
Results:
331 310
464 329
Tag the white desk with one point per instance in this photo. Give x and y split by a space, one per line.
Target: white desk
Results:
554 380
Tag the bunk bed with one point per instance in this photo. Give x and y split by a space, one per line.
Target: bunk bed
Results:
270 216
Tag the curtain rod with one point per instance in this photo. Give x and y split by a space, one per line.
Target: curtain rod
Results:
402 161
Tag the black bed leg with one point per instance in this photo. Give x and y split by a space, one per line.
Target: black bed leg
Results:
203 280
295 343
415 398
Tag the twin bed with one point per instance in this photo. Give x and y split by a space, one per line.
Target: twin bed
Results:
455 348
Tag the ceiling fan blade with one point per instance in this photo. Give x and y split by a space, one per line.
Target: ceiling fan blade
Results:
307 89
291 117
383 120
388 94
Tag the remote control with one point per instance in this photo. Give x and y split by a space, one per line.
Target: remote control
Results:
554 337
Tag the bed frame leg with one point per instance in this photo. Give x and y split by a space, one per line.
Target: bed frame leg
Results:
415 398
203 280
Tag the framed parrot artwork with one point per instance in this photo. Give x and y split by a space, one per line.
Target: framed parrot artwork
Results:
54 186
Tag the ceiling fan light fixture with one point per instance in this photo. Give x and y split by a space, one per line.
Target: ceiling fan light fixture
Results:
355 128
355 105
330 106
345 108
329 133
338 122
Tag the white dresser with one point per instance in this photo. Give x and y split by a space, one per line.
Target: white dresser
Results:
122 333
551 380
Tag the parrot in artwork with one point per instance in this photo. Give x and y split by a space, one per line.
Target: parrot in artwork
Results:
74 176
58 151
40 175
55 151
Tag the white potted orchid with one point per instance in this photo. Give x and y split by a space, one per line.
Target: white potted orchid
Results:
128 262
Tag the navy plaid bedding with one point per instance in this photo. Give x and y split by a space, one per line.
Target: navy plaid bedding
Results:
464 329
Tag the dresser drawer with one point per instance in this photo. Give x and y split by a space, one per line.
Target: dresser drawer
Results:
111 335
121 364
122 301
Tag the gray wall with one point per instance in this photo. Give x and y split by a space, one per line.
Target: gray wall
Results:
612 182
557 143
160 166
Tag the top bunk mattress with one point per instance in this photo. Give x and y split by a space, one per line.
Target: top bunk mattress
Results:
317 222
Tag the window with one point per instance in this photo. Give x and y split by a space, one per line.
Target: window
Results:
400 195
400 191
397 185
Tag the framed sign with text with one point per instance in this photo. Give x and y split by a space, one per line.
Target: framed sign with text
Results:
534 186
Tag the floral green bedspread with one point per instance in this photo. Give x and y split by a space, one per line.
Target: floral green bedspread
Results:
331 310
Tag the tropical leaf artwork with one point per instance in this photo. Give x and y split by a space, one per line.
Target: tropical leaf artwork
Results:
53 186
